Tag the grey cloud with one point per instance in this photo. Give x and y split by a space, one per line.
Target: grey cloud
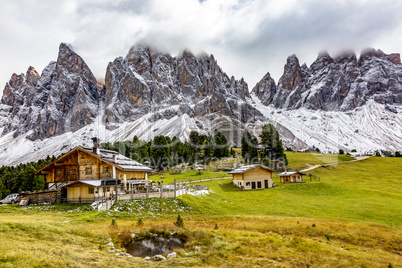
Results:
246 37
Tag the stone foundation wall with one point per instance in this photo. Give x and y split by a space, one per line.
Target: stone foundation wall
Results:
41 197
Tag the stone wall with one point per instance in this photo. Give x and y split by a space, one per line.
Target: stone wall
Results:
41 197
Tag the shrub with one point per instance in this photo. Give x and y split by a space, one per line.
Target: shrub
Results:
114 222
387 153
140 222
341 151
179 222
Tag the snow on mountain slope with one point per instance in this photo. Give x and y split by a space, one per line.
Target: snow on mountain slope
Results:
14 151
336 103
367 128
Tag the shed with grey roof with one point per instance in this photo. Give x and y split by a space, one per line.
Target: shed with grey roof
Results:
291 176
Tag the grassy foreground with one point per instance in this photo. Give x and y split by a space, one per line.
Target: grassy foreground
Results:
352 217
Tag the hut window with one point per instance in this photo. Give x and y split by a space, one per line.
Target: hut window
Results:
90 190
58 172
108 189
88 170
70 171
83 156
105 169
247 184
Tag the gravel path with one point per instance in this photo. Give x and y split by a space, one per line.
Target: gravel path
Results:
359 158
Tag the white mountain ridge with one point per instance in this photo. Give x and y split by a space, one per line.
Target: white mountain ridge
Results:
149 94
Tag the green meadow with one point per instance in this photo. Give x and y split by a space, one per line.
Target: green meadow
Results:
350 217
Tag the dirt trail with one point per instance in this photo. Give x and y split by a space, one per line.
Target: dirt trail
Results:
358 158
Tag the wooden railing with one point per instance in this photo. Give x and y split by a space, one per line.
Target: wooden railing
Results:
78 200
63 180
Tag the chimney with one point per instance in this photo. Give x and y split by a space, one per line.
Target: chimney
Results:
96 149
114 158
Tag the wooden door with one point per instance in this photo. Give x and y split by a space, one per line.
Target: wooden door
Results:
266 183
259 185
253 185
77 192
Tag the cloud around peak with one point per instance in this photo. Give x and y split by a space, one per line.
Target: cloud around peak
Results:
248 38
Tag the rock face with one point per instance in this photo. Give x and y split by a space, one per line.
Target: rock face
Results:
64 98
150 93
336 84
149 81
145 84
265 90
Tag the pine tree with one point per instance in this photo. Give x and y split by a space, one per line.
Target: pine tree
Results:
271 145
245 145
221 148
253 150
160 151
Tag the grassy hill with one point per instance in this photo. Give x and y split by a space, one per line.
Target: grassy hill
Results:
368 190
351 217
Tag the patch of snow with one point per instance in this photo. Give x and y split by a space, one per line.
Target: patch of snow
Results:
366 129
199 193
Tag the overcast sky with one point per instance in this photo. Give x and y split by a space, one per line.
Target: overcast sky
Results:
247 37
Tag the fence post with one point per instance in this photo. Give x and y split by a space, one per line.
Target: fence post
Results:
174 188
147 191
161 189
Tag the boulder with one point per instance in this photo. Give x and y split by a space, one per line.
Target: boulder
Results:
172 255
158 258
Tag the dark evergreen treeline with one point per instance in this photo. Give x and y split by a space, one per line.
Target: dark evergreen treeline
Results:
162 151
269 151
20 178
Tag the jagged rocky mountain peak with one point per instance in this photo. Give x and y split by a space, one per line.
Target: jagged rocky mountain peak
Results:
372 52
323 60
292 61
346 57
157 86
13 92
149 92
187 54
395 58
304 66
69 60
65 52
341 83
32 76
64 98
323 54
292 75
369 53
265 89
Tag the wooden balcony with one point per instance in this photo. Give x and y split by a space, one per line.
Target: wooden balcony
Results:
71 177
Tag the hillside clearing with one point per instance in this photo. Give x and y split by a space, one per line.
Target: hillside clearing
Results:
351 217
